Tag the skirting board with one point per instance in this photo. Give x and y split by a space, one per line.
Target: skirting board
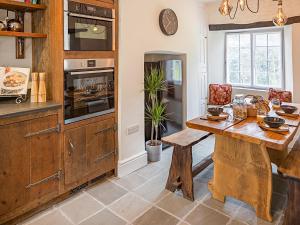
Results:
132 164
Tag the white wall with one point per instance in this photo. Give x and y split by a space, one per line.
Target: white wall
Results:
8 46
216 43
140 33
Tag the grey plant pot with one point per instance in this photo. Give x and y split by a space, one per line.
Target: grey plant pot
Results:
154 152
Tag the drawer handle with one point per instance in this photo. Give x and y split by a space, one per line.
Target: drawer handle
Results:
104 156
72 147
114 128
46 131
55 176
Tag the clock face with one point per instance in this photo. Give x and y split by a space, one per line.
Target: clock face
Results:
168 22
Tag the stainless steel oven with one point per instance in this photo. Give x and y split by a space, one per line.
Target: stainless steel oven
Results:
88 88
88 27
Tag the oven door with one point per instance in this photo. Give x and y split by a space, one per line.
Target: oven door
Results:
88 94
88 33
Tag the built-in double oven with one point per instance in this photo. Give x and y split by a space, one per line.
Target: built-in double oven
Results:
88 27
89 88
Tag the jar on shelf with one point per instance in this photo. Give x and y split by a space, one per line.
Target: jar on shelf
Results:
239 106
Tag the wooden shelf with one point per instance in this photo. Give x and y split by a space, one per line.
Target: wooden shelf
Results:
22 34
20 6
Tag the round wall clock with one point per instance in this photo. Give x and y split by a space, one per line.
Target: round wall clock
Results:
168 22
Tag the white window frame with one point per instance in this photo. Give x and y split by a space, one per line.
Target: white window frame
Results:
252 32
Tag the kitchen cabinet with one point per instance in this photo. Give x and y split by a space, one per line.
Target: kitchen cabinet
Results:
29 164
89 151
75 155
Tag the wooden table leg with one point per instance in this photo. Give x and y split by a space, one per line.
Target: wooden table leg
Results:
293 210
242 170
180 174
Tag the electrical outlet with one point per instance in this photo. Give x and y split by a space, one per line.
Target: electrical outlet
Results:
133 129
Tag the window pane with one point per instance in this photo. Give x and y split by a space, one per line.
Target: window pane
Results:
274 39
261 39
245 66
254 61
239 59
274 66
261 67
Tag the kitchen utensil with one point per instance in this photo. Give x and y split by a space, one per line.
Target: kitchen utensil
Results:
14 25
215 111
282 129
289 109
274 122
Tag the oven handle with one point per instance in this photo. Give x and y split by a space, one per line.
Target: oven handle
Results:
91 72
91 17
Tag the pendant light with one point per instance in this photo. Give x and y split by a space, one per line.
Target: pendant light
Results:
242 4
225 8
280 19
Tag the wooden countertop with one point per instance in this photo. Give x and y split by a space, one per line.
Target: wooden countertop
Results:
11 109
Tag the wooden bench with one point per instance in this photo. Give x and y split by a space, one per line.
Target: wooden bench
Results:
182 171
290 169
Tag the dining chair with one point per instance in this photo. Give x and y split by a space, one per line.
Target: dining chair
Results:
282 95
220 94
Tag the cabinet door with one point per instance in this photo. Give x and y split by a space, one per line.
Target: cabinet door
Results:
101 147
44 157
75 155
14 166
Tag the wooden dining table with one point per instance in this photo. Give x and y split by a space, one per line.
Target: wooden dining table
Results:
242 159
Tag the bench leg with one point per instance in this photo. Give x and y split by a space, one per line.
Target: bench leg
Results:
293 210
181 174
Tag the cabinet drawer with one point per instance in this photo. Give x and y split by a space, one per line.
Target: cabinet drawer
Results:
101 144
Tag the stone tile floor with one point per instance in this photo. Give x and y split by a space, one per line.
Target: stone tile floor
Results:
140 199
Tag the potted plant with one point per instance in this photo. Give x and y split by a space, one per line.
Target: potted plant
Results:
155 111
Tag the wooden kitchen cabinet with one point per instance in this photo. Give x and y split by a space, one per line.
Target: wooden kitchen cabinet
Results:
75 155
29 164
14 166
101 147
89 151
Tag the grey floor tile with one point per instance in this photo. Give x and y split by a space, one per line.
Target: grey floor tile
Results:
155 216
176 205
230 206
149 171
206 216
200 190
54 217
153 190
107 192
131 181
105 217
236 222
206 175
129 207
81 208
247 215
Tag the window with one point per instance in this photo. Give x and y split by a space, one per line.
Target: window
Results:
255 59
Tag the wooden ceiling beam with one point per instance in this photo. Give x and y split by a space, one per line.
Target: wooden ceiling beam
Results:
234 26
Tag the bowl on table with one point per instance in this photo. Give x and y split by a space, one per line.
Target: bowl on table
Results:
215 111
288 109
274 122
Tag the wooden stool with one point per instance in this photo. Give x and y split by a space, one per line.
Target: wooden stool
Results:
181 171
290 169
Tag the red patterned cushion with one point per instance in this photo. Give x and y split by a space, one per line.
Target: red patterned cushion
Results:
220 94
283 96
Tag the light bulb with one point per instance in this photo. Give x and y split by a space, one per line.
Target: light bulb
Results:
225 8
242 4
95 29
280 19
